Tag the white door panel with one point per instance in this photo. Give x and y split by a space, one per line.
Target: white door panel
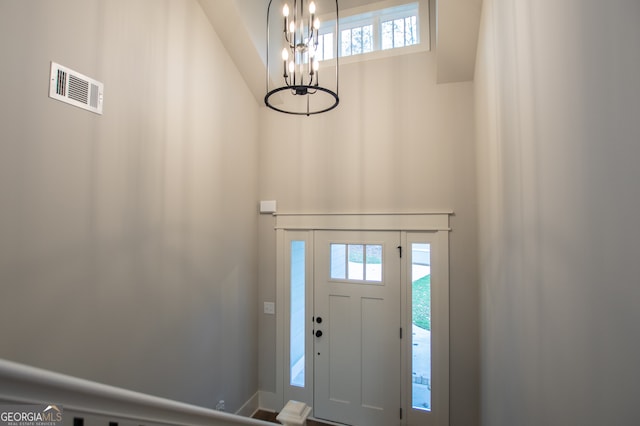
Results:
357 355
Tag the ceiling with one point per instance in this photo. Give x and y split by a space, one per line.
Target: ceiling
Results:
241 25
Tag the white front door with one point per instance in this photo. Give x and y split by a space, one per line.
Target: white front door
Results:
357 324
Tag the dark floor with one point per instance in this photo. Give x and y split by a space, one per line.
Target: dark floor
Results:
271 417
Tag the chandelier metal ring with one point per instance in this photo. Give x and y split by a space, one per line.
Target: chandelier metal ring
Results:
300 88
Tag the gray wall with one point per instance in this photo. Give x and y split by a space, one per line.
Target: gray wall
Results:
128 241
558 131
396 143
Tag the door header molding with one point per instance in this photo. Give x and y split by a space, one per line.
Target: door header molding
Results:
435 221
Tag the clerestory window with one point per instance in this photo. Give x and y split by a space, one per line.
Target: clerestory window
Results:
367 32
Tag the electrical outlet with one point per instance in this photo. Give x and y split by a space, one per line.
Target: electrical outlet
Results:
269 308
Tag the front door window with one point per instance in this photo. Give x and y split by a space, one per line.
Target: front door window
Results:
356 262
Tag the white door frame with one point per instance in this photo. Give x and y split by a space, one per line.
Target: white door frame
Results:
304 225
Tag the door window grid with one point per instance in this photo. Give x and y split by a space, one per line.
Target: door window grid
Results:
356 262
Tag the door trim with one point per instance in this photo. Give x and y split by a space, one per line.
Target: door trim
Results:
365 222
435 221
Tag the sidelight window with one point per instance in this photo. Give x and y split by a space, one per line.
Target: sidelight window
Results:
421 326
297 309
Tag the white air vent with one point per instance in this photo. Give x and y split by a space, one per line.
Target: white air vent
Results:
69 86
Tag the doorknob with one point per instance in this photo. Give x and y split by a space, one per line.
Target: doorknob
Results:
319 333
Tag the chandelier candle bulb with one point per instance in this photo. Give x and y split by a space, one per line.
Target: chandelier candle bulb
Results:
285 13
312 12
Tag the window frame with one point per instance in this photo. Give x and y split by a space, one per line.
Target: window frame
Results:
438 414
291 391
375 14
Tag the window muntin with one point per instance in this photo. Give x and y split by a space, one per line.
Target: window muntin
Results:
356 262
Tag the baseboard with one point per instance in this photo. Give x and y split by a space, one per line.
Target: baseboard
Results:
250 407
270 401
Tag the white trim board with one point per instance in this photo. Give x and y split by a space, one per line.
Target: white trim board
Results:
370 222
250 407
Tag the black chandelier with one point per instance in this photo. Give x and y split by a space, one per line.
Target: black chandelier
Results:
294 84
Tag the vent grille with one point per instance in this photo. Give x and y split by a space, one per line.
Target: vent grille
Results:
61 83
78 89
75 89
93 96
